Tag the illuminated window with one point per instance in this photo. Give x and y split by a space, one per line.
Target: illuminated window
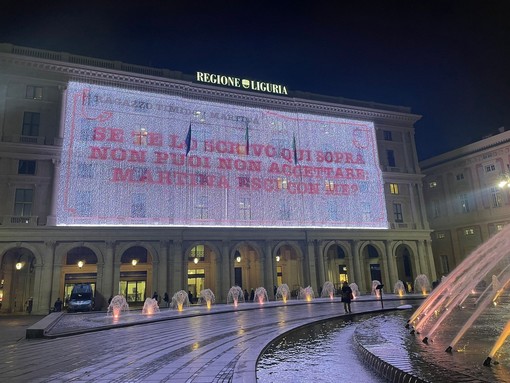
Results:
440 235
245 208
330 185
464 202
140 136
387 135
26 167
469 231
282 183
490 168
390 155
31 122
85 170
495 197
201 207
138 205
397 212
432 184
460 176
23 202
86 129
34 92
198 252
394 189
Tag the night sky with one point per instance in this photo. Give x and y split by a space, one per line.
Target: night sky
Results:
449 61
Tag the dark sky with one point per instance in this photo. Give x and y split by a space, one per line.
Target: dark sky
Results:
447 60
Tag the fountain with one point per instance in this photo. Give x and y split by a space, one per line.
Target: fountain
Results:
180 299
306 293
422 284
117 306
328 290
235 295
261 295
469 311
355 290
150 306
283 292
207 296
399 288
375 290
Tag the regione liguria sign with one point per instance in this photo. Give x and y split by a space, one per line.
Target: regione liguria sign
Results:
236 82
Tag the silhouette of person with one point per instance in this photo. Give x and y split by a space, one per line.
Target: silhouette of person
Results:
58 305
252 295
190 296
346 297
246 295
166 298
155 295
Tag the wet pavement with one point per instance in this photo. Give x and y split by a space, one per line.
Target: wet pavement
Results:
195 345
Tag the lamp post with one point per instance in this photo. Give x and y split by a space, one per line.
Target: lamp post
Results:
380 288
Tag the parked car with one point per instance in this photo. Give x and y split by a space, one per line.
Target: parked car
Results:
82 298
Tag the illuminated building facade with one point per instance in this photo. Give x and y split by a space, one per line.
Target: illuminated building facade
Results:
467 195
138 179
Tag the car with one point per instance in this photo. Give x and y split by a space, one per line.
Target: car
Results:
82 298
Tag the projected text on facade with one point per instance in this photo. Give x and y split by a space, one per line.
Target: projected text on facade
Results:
136 158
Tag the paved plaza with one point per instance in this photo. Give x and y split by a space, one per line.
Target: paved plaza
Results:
195 345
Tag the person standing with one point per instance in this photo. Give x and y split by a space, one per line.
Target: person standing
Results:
155 296
346 297
30 304
58 305
166 298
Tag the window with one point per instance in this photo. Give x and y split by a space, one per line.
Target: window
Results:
394 189
330 185
86 129
445 267
138 205
30 124
85 170
397 212
432 184
387 135
469 231
440 235
333 210
244 181
490 168
26 167
284 210
23 202
282 183
390 155
460 176
436 210
34 92
245 208
464 203
201 207
495 197
83 203
140 137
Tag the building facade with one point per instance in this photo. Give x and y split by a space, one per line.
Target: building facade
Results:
467 195
140 180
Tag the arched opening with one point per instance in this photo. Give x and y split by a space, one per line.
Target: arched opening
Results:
405 266
372 266
80 267
17 281
199 271
247 267
289 269
337 266
135 275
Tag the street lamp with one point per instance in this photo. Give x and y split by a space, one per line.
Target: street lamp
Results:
80 264
380 287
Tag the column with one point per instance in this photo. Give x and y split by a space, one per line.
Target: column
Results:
423 260
312 270
320 256
163 268
269 271
226 270
56 272
430 257
386 274
177 274
358 279
52 218
392 265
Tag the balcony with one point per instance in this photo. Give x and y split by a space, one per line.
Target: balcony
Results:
12 220
37 140
402 226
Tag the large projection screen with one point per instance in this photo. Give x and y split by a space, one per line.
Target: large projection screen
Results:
132 158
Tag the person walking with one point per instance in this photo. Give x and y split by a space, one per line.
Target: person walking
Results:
346 297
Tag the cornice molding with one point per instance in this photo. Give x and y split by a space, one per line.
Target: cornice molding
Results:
106 76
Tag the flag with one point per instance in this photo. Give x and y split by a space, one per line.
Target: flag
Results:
247 137
188 140
294 148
